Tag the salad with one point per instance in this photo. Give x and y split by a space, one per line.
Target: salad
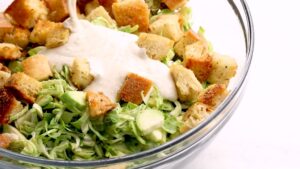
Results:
56 107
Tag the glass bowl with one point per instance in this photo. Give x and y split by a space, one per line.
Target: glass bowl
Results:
228 26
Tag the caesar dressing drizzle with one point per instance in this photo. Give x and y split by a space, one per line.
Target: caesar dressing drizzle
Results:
112 55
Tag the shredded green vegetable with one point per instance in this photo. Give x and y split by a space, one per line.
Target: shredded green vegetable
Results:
53 129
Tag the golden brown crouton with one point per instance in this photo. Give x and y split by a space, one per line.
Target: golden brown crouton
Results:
81 75
197 59
18 36
188 38
200 66
5 26
23 87
107 4
174 4
133 88
37 66
157 47
99 104
100 12
213 95
4 68
5 141
90 6
223 69
9 51
167 25
27 12
187 85
194 116
132 12
8 105
58 10
50 34
4 76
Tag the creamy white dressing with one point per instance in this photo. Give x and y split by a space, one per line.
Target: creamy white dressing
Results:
112 55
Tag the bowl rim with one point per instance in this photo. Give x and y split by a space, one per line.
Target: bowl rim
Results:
249 37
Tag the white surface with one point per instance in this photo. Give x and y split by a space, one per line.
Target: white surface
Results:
264 131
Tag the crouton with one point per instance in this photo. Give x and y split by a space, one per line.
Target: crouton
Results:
4 76
200 66
99 104
5 141
107 4
5 26
9 51
50 34
18 36
90 6
27 12
187 85
213 95
100 12
174 4
23 87
81 75
197 59
223 69
157 47
134 87
188 38
8 105
58 10
132 12
167 25
4 68
194 116
38 67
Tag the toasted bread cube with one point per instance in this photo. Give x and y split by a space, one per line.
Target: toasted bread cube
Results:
4 68
99 104
24 87
167 25
200 66
38 67
107 4
188 38
81 75
132 12
194 116
134 87
213 95
5 26
90 6
8 105
57 36
4 76
9 51
157 47
187 85
18 36
50 34
27 12
223 69
5 141
100 12
174 4
197 59
58 10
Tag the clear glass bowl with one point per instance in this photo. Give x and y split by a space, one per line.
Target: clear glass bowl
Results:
228 25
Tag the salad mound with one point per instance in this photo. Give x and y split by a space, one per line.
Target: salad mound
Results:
49 111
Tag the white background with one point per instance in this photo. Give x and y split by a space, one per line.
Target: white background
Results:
264 132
